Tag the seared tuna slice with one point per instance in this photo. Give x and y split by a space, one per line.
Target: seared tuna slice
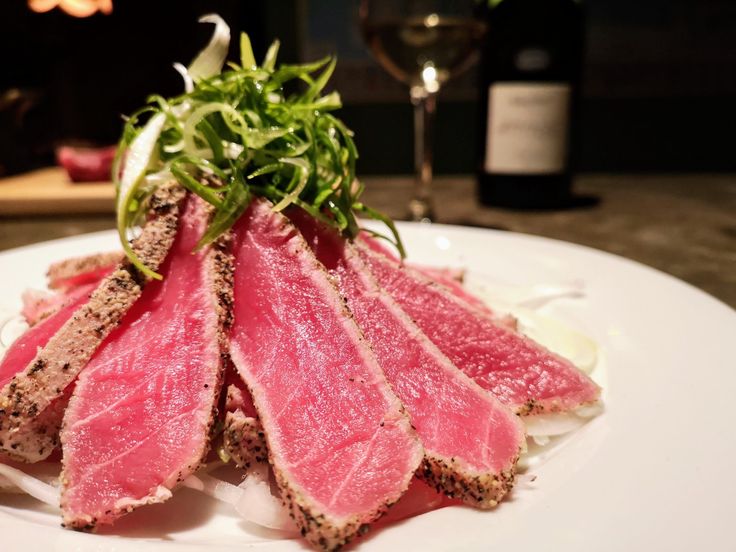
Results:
237 396
23 350
72 278
243 436
140 417
340 444
76 271
31 403
244 439
39 305
518 371
451 278
471 441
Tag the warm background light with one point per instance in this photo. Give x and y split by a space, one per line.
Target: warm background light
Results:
77 8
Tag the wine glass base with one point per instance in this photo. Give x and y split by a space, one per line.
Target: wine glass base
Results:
421 211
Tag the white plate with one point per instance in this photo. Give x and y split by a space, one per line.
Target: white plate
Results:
652 472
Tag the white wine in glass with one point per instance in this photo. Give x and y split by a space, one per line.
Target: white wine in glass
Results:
423 44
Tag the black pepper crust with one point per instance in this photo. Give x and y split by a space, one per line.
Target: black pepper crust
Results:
244 440
532 407
58 273
318 529
34 398
482 491
315 527
219 268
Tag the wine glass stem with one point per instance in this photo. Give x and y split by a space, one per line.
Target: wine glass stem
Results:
421 207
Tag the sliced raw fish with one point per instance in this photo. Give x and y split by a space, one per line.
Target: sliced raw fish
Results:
140 418
518 371
471 441
451 278
24 349
71 278
242 435
244 439
33 400
340 444
76 271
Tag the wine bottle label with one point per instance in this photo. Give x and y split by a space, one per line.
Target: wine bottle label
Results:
527 128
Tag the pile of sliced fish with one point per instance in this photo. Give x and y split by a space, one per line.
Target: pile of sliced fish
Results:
344 369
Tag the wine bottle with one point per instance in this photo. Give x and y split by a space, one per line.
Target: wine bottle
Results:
531 62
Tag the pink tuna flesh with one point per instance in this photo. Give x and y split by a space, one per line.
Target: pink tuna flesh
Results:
238 397
448 277
139 419
466 432
88 277
40 305
341 446
37 305
24 349
518 371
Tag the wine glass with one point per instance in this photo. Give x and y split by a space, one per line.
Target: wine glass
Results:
422 43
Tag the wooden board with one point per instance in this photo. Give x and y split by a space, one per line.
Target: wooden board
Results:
49 190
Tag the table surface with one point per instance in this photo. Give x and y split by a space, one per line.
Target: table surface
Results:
684 225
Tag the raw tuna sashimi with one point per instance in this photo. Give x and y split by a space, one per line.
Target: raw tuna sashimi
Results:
140 417
242 436
39 305
32 402
340 444
76 271
23 350
471 441
518 371
244 439
451 278
71 278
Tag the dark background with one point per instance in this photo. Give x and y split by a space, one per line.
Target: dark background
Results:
658 88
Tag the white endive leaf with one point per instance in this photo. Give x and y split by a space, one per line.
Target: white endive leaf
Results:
209 61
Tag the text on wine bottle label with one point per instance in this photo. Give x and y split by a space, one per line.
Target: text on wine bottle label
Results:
527 128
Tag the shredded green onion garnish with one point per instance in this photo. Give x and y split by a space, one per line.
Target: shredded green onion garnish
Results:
245 131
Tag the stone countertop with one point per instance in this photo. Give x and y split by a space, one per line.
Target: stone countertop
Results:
682 225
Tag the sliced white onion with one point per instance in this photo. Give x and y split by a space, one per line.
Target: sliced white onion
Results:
184 72
258 504
232 150
558 337
12 326
212 486
209 61
252 499
532 297
31 485
549 425
193 482
137 160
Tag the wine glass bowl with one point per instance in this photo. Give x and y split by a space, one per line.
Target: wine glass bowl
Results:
424 50
422 43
